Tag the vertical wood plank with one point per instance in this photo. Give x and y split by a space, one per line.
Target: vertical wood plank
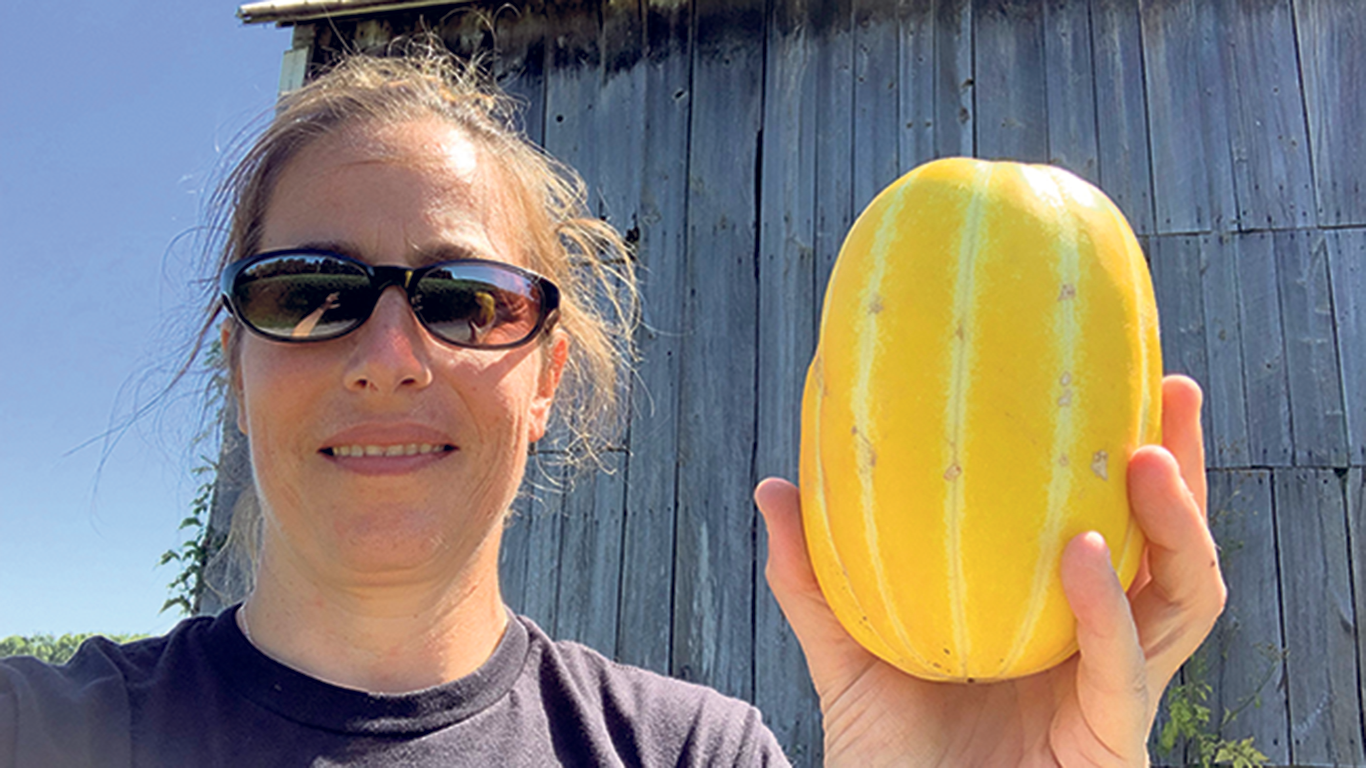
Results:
917 83
1069 80
954 85
586 601
645 632
1008 72
876 130
1121 111
1243 655
1356 532
1271 172
519 65
1225 395
1264 374
713 596
833 60
1177 264
1187 117
1317 418
1321 665
786 304
530 558
1347 274
1332 68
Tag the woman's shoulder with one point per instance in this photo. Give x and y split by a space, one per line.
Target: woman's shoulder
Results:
669 720
78 713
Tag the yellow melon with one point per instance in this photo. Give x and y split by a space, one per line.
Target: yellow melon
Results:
988 361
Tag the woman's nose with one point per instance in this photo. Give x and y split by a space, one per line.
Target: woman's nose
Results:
391 348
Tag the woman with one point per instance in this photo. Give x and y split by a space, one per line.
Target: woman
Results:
403 313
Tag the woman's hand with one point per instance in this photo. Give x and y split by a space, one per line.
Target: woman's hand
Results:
1096 708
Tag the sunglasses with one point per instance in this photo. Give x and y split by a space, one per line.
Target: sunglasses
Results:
311 295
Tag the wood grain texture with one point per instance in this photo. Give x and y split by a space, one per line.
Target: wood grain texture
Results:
1177 264
645 634
1317 418
786 274
1069 80
1332 62
1225 393
1356 532
877 126
1347 274
587 597
1269 137
833 62
917 83
1187 116
1244 655
1320 623
1010 89
954 86
1121 111
1265 379
714 554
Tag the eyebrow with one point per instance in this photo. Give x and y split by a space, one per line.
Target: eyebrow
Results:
434 255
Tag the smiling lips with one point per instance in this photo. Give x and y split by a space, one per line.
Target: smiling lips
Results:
409 449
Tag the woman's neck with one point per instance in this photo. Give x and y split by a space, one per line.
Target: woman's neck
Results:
391 638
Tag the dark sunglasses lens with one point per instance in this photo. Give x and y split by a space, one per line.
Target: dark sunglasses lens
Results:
478 305
303 296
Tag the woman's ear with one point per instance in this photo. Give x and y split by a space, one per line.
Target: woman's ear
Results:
225 333
556 354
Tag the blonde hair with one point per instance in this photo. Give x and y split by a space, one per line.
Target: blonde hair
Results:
560 237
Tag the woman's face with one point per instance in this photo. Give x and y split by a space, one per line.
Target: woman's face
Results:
409 194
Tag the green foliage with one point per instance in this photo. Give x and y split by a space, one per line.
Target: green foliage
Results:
198 549
53 649
1189 721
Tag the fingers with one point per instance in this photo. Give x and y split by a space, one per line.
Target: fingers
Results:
1186 593
1112 682
780 503
1181 432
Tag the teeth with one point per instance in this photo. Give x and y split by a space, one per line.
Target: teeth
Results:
410 449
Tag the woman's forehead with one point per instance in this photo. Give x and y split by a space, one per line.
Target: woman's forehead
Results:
425 178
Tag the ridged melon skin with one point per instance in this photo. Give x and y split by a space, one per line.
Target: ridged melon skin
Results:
988 361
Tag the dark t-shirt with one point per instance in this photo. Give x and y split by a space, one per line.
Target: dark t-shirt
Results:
203 696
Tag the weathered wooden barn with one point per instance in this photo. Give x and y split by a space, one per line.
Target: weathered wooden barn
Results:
735 140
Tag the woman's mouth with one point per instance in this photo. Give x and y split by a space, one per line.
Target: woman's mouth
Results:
371 451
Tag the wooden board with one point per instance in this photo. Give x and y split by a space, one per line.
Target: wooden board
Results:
714 553
1177 262
1008 73
1316 601
1243 659
1347 274
1317 418
877 125
954 86
587 598
1332 68
1356 532
1121 111
917 83
1264 372
644 636
833 61
786 274
1184 70
519 64
1269 138
1225 394
1069 80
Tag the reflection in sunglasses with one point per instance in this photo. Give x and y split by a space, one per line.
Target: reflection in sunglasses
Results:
304 328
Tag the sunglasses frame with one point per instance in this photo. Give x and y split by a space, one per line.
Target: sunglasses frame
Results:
381 278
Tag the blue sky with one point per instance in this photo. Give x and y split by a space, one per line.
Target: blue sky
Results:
114 119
